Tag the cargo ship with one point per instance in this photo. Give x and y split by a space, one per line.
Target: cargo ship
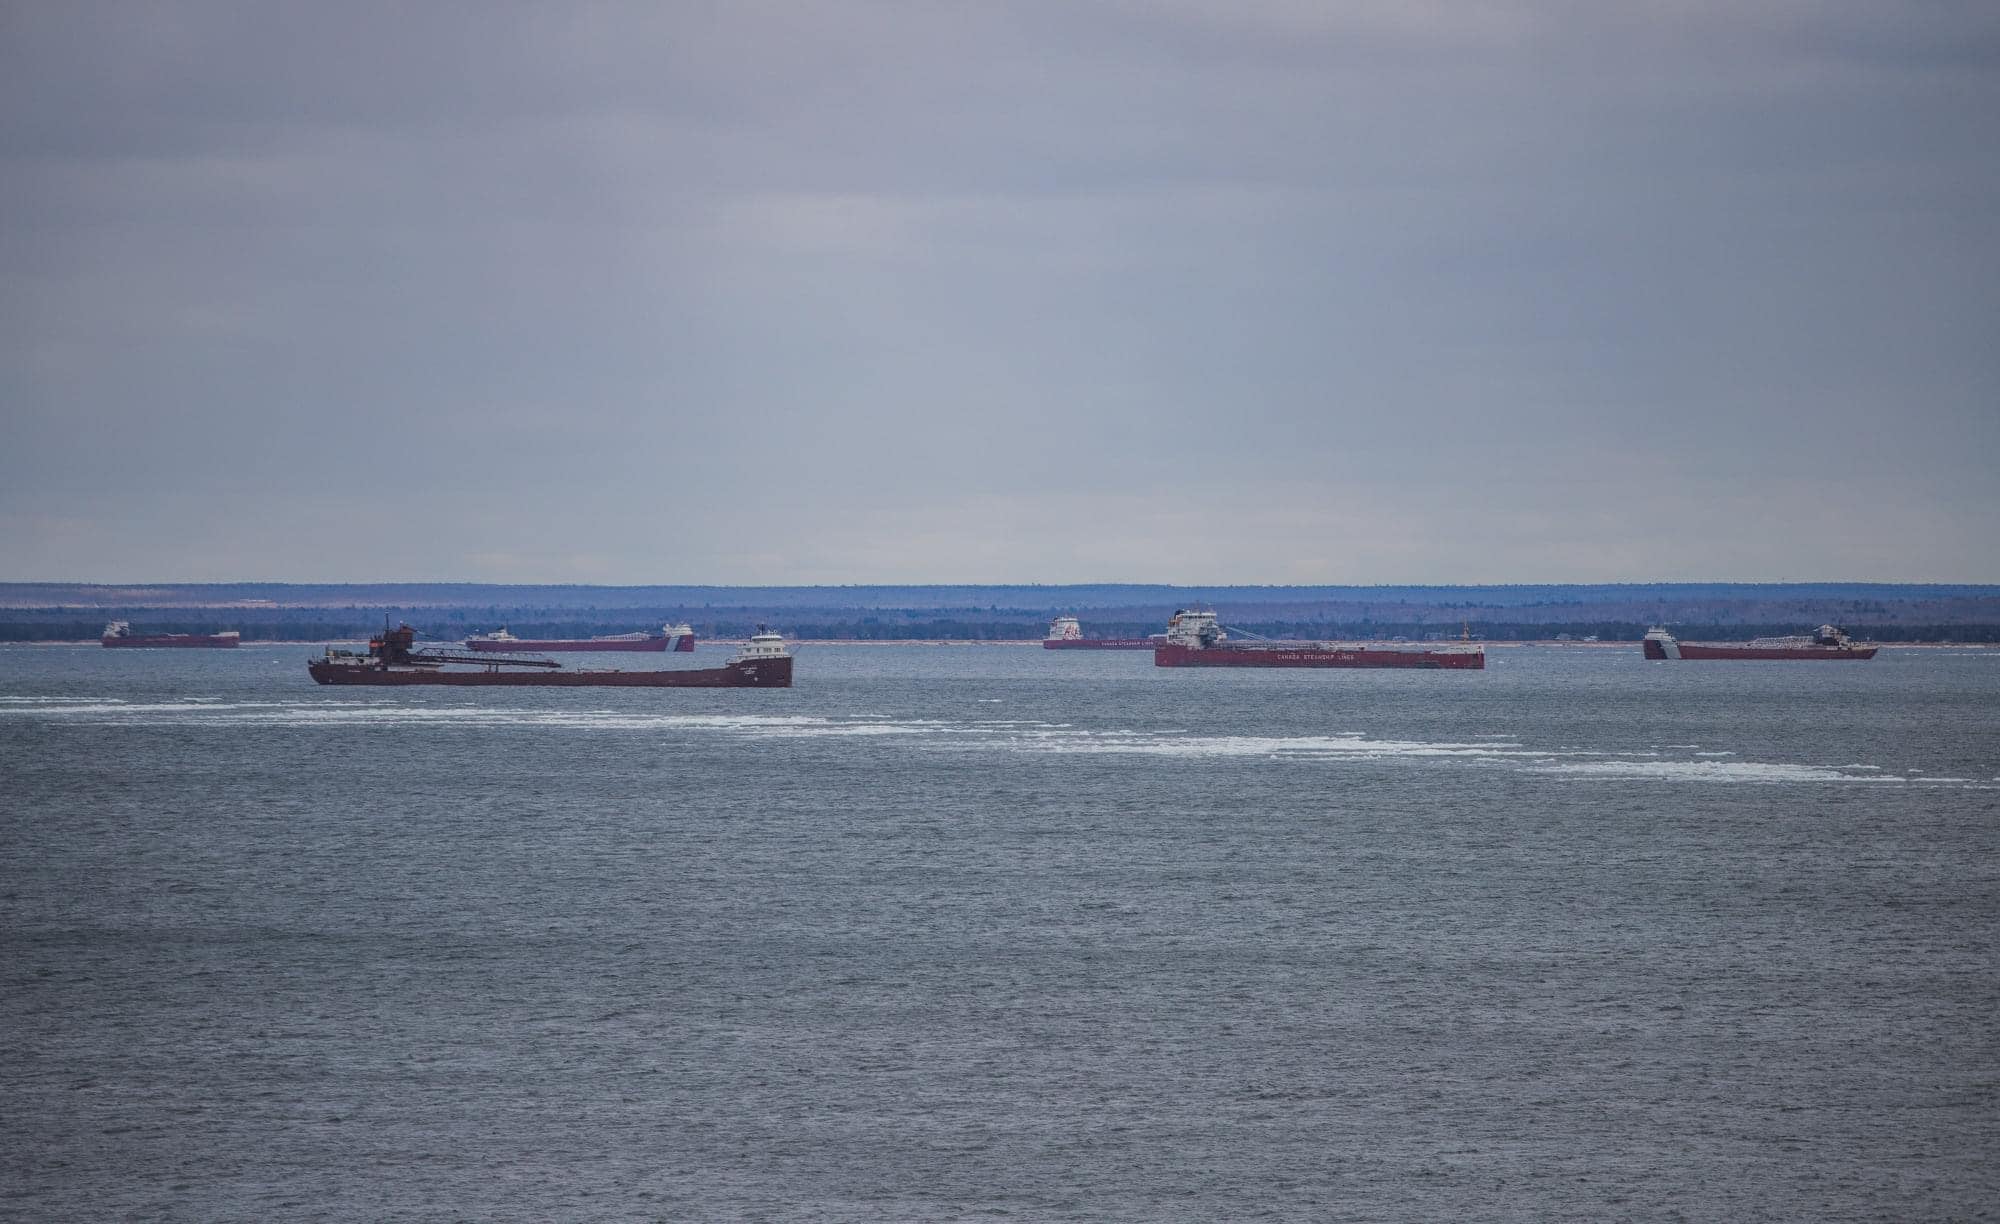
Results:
119 633
1197 639
1065 633
1826 642
671 637
393 658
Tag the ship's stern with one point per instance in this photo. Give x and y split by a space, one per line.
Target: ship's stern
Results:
763 673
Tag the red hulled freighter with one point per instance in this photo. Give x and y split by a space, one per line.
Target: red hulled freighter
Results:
393 659
1826 642
119 633
1197 639
671 637
1065 633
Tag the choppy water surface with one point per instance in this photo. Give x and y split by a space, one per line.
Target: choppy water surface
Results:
968 932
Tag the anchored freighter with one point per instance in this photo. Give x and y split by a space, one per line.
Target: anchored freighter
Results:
392 659
1197 639
119 633
671 637
1826 642
1065 633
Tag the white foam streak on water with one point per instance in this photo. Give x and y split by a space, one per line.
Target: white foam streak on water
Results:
1293 746
113 705
980 734
391 714
1704 771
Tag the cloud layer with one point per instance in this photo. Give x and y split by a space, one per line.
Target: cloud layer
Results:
938 292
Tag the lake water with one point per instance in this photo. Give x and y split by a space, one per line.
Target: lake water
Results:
989 932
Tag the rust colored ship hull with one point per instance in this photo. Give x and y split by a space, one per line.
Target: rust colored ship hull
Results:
1098 643
1315 655
684 643
747 673
651 645
205 640
1692 650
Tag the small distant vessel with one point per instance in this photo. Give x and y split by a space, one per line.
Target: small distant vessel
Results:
1197 639
1066 633
393 658
119 633
671 637
1826 642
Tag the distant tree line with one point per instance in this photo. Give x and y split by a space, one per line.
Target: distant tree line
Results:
450 611
348 624
961 599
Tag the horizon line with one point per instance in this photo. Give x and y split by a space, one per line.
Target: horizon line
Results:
752 586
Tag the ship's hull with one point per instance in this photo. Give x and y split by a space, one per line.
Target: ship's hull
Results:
1316 656
1098 643
205 640
650 645
1691 650
746 673
684 643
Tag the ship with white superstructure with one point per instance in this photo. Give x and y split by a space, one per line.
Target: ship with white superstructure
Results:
1825 642
1066 633
1196 638
670 637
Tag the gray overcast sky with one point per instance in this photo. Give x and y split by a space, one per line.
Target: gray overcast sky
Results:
1299 291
